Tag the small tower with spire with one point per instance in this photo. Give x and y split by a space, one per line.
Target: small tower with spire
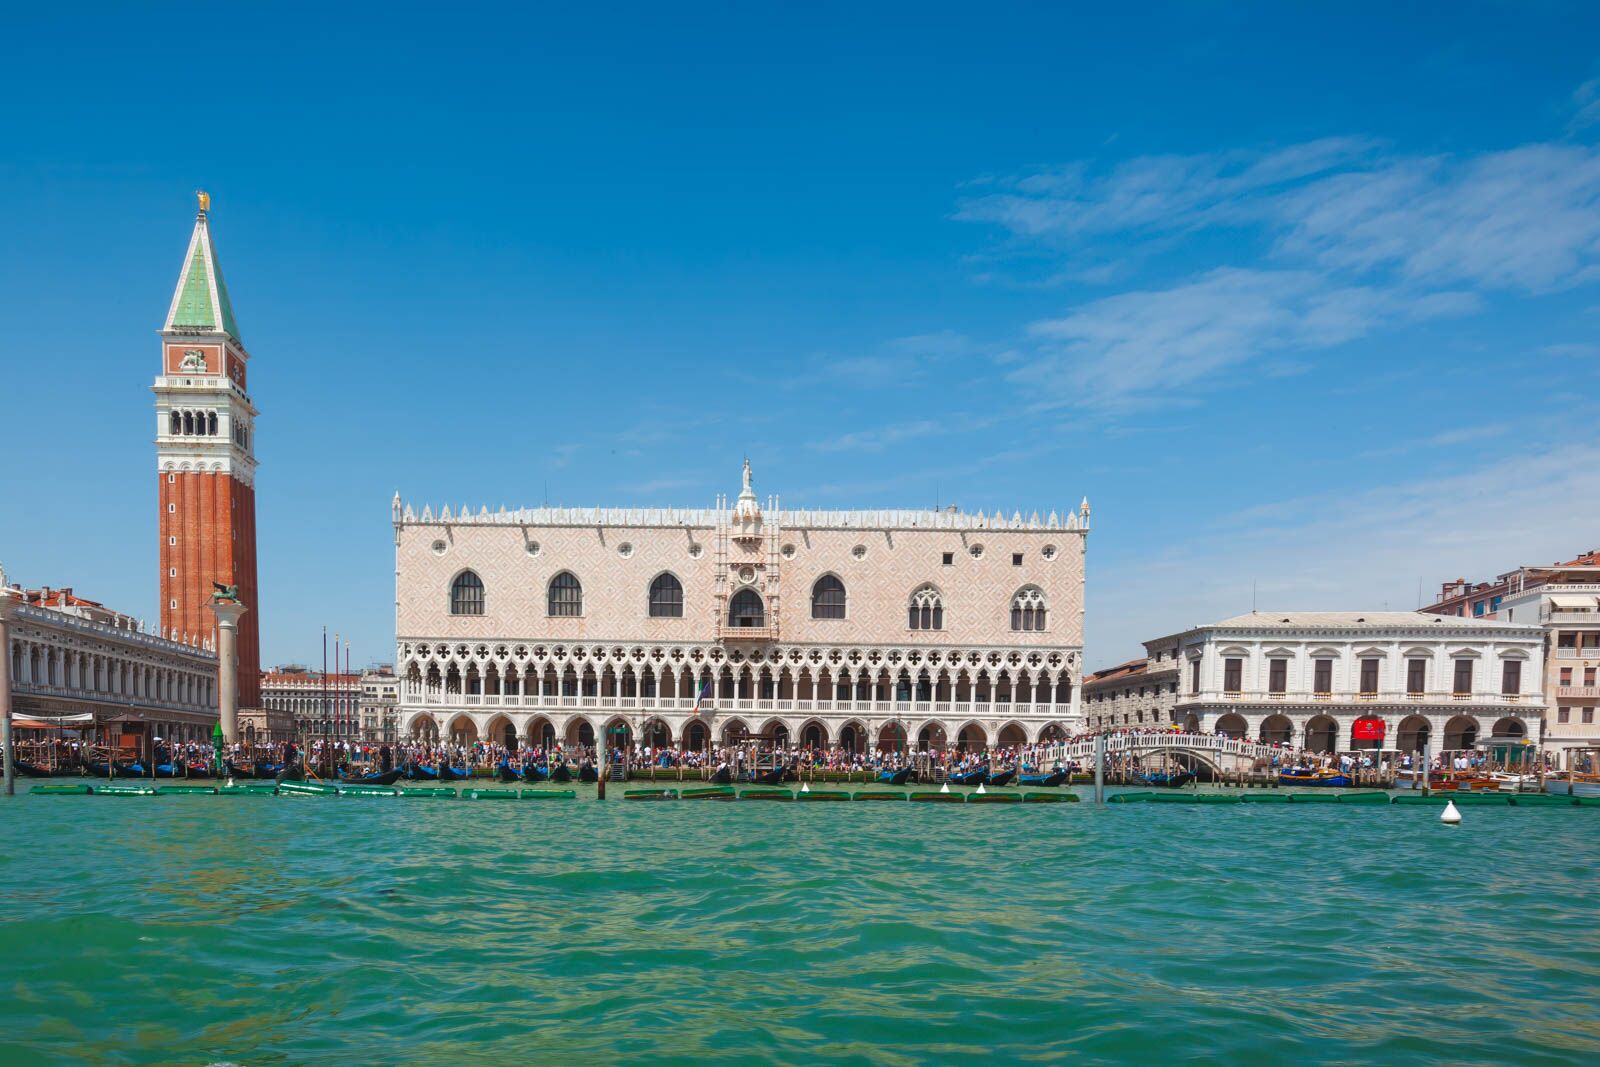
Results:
746 519
205 457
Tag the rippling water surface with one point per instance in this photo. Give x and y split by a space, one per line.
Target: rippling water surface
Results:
262 930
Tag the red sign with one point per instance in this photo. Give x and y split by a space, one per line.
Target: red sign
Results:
1367 730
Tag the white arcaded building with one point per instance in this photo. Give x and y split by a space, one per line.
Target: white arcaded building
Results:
862 629
1306 678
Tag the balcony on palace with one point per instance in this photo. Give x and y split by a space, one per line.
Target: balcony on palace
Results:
746 633
1578 692
1578 653
1479 699
569 703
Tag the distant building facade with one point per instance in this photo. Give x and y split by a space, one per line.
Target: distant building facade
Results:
861 629
1141 692
319 704
77 664
1330 680
380 704
1563 599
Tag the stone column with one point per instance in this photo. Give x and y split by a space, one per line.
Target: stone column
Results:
8 606
228 613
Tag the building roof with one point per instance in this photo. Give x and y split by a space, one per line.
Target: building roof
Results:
200 302
1353 620
1118 673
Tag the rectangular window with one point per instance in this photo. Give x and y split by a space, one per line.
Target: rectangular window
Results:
1232 675
1194 677
1416 675
1566 639
1563 715
1566 675
1588 676
1016 559
1477 608
1463 686
1324 676
1588 716
1494 604
1369 677
1278 676
1510 677
949 558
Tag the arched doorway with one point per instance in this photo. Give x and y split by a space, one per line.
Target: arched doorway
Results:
540 732
932 738
619 734
734 732
502 732
972 738
696 738
463 731
657 735
812 735
1012 735
1460 732
1277 729
425 729
1412 733
1191 723
580 732
850 737
1232 724
779 733
1052 734
892 737
1322 733
1510 728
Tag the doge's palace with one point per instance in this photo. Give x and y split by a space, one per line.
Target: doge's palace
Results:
698 627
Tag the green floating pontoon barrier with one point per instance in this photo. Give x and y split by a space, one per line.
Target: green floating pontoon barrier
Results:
62 790
442 792
879 794
1540 800
1270 798
650 794
707 792
994 798
1363 798
1313 798
766 794
548 794
249 789
307 789
367 790
1462 800
125 790
1130 798
1050 798
926 797
824 794
488 794
171 790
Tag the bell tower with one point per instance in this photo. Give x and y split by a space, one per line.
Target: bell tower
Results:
205 460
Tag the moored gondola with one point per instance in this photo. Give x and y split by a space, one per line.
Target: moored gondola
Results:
560 772
102 769
587 773
1000 777
768 777
420 772
969 777
724 775
375 778
506 773
30 770
899 777
1165 779
448 773
1325 776
534 772
1049 781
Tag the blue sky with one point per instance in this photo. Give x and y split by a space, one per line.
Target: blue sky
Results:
1304 302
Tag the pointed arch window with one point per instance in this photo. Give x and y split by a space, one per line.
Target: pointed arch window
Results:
466 594
1028 609
927 609
746 609
827 598
666 597
566 595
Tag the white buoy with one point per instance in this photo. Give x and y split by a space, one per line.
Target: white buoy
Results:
804 788
945 788
1450 816
981 789
230 781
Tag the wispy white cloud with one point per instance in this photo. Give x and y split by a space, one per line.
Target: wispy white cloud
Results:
1152 346
1585 106
875 440
1354 551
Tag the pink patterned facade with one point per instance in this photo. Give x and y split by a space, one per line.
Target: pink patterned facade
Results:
855 628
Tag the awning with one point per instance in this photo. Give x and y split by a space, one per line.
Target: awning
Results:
1568 602
32 724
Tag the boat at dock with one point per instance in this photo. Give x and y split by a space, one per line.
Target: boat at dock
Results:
560 772
768 777
899 777
375 778
1000 778
1048 781
1573 785
448 773
969 777
1164 779
1321 776
102 769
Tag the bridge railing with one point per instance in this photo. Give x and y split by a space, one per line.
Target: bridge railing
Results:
1165 742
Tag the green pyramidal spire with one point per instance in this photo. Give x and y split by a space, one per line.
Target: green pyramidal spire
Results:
200 302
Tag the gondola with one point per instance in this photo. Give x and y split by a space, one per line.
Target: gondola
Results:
101 769
448 773
418 772
254 770
1166 779
375 778
724 775
29 770
1047 781
1000 778
899 777
772 777
171 770
505 773
534 772
199 770
1325 776
587 773
560 772
969 777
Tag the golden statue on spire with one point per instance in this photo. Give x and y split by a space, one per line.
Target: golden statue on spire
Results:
205 200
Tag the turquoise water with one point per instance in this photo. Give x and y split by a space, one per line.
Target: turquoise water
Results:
262 930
